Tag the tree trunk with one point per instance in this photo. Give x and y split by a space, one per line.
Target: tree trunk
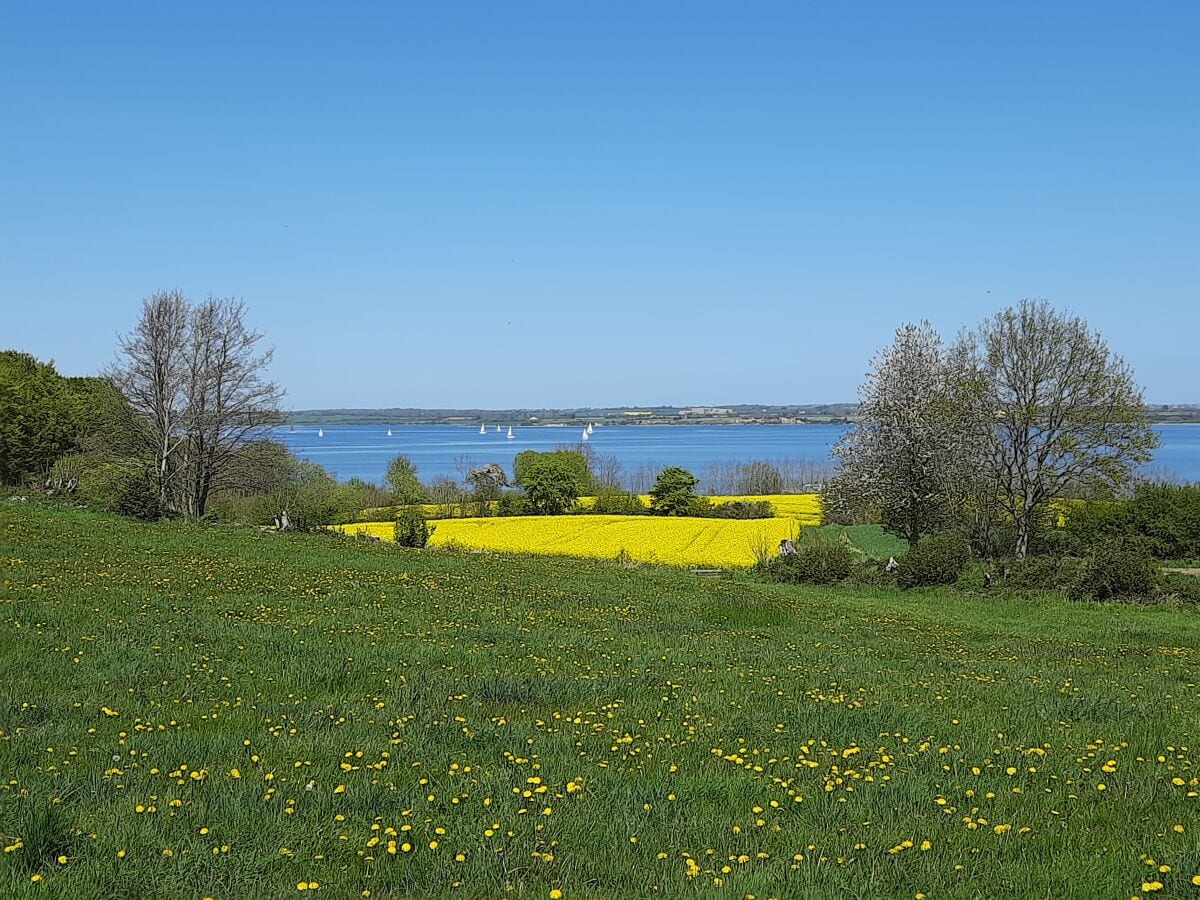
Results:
1022 522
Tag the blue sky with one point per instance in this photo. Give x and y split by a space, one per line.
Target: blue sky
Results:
568 204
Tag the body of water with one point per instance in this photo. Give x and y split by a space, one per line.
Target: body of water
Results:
363 451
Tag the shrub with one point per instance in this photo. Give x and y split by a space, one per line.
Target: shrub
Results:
412 530
618 503
1117 570
1167 516
741 509
811 564
1180 587
110 483
938 559
511 505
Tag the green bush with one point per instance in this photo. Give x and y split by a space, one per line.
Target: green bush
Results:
511 505
412 530
741 509
1166 516
1180 587
823 563
938 559
617 503
1117 570
110 483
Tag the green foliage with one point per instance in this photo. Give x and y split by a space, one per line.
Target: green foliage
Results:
674 492
1037 574
617 503
412 530
403 482
1165 516
39 417
571 461
552 481
741 509
1117 570
110 483
1180 587
551 486
938 559
815 563
511 504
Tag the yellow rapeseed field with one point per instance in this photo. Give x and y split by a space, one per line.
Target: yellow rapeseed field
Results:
673 541
806 508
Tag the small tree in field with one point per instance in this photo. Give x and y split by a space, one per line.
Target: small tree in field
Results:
403 482
901 458
674 492
1055 409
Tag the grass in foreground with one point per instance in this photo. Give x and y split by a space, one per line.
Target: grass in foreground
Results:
205 712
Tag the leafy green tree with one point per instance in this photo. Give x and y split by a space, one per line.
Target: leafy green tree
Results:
674 492
551 484
39 416
403 482
568 460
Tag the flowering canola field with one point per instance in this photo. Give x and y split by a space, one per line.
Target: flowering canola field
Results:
673 541
680 541
196 712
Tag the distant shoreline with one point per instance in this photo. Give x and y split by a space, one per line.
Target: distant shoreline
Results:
814 414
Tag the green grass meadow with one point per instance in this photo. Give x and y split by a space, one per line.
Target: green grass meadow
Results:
205 712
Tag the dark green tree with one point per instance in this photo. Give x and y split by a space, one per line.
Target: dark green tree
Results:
39 416
674 492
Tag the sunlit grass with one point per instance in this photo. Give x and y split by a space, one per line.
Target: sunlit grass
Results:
192 712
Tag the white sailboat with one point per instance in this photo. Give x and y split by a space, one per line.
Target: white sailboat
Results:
320 432
510 434
589 428
585 434
389 432
483 429
498 429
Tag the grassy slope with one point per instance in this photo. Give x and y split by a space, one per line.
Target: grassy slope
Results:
678 706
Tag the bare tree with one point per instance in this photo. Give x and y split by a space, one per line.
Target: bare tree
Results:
1055 409
194 376
230 402
608 472
900 459
154 380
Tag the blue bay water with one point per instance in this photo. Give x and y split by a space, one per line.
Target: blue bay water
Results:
363 451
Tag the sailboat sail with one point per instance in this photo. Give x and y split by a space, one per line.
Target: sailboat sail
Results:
510 433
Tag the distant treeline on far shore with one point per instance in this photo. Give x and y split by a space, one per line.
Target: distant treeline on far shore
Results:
735 414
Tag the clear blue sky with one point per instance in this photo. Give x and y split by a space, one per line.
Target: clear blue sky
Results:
564 204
